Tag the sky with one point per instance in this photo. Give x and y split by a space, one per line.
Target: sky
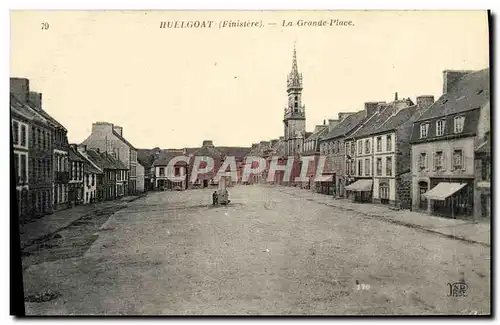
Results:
174 88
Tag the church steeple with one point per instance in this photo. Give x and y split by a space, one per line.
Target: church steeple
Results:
294 80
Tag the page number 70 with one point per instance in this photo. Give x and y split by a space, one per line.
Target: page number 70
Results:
45 25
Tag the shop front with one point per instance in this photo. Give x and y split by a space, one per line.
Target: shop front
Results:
454 198
325 184
360 191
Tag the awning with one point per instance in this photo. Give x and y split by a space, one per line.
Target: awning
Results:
323 178
176 178
363 185
443 190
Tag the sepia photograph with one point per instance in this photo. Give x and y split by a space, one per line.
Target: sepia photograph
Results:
251 163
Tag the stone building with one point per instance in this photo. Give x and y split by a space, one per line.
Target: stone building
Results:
32 153
332 146
482 179
443 145
180 178
114 173
382 159
75 190
311 149
92 176
108 137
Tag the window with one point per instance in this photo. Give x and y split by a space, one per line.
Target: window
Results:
458 124
485 170
367 167
360 167
360 148
379 166
162 171
388 166
39 169
23 135
353 168
424 129
440 127
87 180
457 159
17 165
384 191
177 172
422 161
367 146
15 132
348 149
438 160
24 168
38 137
379 144
389 143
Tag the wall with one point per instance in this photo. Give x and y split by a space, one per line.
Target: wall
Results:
484 122
467 146
404 191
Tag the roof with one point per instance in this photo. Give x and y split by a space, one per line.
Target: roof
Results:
99 159
24 110
385 120
165 156
123 139
470 92
88 167
73 155
234 151
146 157
315 135
116 162
346 126
208 151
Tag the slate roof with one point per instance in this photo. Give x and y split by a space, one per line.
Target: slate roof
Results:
116 162
208 151
470 92
123 139
100 160
385 120
166 155
346 126
146 157
485 147
234 151
315 135
24 110
73 156
88 167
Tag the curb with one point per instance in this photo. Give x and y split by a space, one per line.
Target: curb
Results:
398 222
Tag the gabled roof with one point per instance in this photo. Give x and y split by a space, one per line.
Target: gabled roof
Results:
484 147
385 120
470 92
99 159
234 151
123 139
24 110
146 157
166 155
316 135
116 162
88 167
346 126
208 151
73 155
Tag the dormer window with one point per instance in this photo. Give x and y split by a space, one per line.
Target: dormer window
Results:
440 127
424 129
458 124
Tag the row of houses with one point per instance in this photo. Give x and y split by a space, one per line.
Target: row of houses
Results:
427 155
51 174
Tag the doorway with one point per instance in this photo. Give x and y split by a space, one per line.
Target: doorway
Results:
205 183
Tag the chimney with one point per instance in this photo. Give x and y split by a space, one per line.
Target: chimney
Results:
118 129
20 87
371 108
36 99
207 143
82 148
450 78
102 128
425 101
399 105
282 138
332 124
264 144
255 145
396 95
343 115
324 122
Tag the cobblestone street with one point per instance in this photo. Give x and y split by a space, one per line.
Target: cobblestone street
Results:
267 253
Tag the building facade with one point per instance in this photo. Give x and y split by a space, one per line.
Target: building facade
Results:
92 177
32 135
443 145
76 186
108 137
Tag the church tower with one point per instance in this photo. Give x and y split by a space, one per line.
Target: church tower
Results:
295 114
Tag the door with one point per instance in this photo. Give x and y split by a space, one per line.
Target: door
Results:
422 188
205 183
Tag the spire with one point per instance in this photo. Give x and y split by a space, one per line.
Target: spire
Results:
294 77
295 69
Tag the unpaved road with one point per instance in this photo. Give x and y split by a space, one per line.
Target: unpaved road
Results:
269 253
